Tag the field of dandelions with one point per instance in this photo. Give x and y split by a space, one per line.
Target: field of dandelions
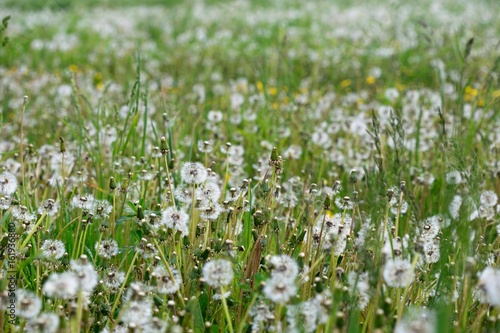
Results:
250 166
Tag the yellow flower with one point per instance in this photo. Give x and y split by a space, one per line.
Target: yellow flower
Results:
346 83
73 68
273 91
470 93
260 86
370 80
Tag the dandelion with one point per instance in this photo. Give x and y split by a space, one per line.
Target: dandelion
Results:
85 203
262 317
8 183
454 208
218 273
101 209
431 227
21 214
53 249
208 193
48 207
359 283
293 152
418 321
283 267
43 323
193 173
5 202
396 205
344 203
431 251
85 272
154 221
63 286
211 212
107 248
215 116
398 273
137 312
28 305
278 290
205 146
166 283
489 283
136 291
175 219
113 278
302 317
488 199
454 177
183 194
156 325
146 250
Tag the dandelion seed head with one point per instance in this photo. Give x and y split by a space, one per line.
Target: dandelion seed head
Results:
211 212
49 207
86 274
5 202
488 199
28 305
398 273
359 282
175 219
43 323
417 321
454 208
208 193
218 273
137 312
101 209
113 278
454 177
53 249
107 248
205 146
193 173
278 290
283 267
489 283
165 283
8 183
83 202
63 286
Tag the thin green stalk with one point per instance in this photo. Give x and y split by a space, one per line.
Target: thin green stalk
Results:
226 310
118 296
33 230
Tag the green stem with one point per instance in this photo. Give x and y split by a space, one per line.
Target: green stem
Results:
226 310
33 230
115 303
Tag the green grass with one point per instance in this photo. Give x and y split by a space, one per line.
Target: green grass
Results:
112 81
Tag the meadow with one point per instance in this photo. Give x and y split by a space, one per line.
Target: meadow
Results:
249 166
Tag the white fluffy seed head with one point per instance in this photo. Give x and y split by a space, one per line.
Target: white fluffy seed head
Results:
398 273
53 249
193 173
218 273
8 183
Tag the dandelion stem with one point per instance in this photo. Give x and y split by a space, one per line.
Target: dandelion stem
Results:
115 303
169 271
33 230
79 312
226 310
